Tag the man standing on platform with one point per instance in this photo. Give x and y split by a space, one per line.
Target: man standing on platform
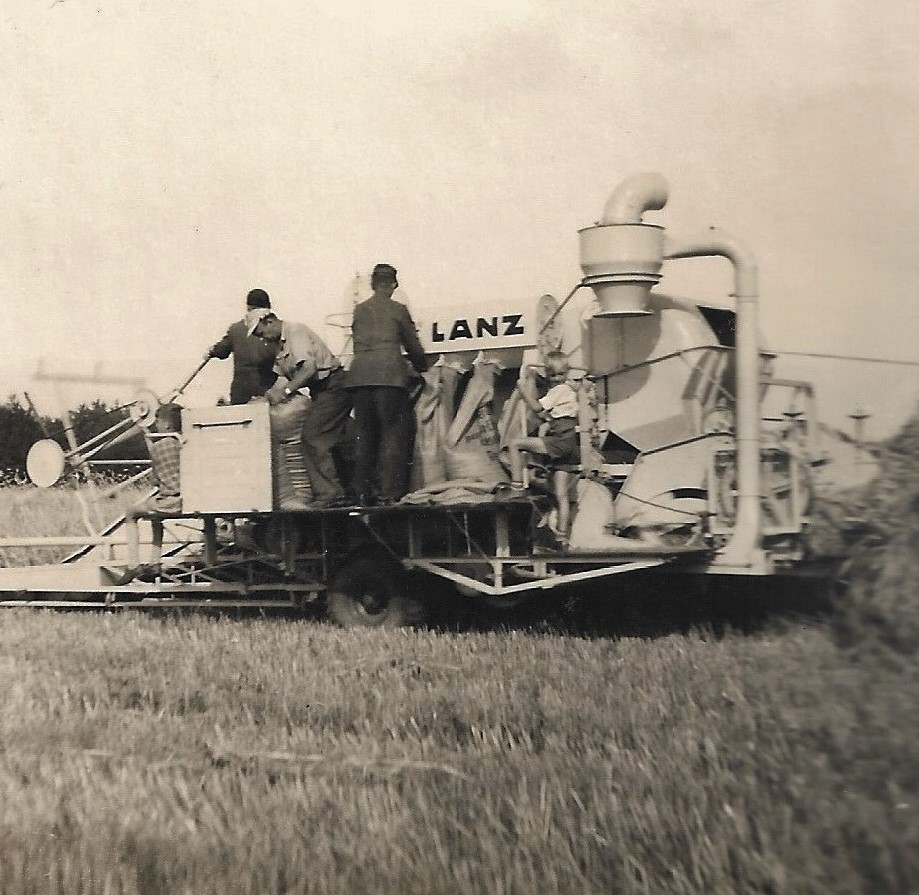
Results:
253 360
378 381
314 376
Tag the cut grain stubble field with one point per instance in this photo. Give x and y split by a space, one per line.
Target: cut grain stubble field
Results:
196 754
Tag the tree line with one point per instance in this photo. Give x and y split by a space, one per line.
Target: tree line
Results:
21 427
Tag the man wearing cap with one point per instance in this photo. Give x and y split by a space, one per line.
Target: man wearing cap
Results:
378 381
253 360
308 367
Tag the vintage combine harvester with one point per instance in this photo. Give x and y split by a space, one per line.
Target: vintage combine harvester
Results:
694 459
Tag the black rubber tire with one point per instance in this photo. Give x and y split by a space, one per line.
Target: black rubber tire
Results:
370 591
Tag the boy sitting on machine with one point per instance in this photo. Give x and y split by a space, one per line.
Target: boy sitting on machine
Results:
164 442
557 437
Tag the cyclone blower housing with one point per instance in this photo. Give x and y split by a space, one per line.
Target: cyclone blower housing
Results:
621 256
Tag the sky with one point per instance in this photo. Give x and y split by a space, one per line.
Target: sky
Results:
159 158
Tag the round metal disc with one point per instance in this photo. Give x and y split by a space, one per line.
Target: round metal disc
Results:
143 408
45 463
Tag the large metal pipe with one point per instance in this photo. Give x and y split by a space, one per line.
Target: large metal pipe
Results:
621 257
746 540
633 197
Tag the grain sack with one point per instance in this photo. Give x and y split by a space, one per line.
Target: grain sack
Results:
516 419
429 463
472 443
446 409
290 482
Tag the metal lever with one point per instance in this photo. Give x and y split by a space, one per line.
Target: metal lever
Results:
220 423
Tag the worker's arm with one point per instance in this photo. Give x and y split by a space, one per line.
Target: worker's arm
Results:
526 386
222 349
284 389
411 342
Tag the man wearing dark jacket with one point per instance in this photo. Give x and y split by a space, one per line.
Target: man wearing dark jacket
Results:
378 380
253 360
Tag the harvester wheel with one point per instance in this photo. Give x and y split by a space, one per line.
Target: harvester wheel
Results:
370 591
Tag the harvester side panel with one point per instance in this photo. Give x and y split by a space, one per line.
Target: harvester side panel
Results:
226 459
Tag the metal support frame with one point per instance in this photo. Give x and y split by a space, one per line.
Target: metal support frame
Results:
551 581
198 567
210 540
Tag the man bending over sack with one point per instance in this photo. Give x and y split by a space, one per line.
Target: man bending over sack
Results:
308 367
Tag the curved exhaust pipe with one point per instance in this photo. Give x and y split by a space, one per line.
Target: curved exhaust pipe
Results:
633 197
621 257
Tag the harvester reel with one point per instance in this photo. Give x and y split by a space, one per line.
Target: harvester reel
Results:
143 408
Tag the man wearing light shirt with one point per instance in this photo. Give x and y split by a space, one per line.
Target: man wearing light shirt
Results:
308 367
